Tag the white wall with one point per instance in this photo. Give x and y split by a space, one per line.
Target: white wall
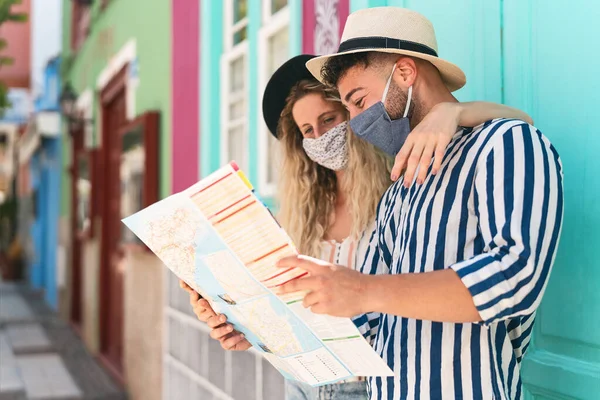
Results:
46 38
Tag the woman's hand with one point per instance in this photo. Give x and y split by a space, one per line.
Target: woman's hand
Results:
428 140
229 338
223 332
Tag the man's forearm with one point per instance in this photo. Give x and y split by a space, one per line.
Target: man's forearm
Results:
436 296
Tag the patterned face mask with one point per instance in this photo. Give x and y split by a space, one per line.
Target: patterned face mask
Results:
331 149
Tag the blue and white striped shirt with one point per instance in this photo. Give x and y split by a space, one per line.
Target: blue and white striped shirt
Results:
493 214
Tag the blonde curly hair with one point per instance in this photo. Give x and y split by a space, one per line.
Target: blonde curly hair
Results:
307 191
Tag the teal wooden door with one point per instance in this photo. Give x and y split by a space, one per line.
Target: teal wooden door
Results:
551 68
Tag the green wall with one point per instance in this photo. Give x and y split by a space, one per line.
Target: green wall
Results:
111 28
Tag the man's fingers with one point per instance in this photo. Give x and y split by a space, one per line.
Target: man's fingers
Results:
216 320
221 331
425 162
319 308
309 283
413 162
311 299
401 160
309 264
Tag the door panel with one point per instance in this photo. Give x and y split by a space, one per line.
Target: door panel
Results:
76 247
550 72
111 339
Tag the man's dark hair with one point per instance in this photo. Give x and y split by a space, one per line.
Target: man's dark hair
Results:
336 67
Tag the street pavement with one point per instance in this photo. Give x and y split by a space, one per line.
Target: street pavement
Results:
41 357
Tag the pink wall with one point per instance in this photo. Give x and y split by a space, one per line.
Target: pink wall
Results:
18 38
319 18
185 101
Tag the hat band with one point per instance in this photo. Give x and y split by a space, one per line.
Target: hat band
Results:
381 42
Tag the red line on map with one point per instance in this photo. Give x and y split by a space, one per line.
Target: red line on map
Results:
229 206
288 281
235 212
212 184
269 253
279 274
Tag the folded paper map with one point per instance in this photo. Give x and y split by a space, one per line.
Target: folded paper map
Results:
220 239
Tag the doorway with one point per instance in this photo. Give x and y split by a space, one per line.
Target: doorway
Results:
113 114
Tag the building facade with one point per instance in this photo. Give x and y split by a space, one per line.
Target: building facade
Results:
116 160
40 164
224 53
511 52
15 199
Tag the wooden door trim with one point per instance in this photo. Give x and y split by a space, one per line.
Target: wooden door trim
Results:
114 88
150 123
76 309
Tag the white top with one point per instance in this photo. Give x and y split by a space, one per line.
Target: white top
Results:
349 252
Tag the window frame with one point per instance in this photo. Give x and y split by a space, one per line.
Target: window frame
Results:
267 11
149 122
78 12
231 53
229 28
272 25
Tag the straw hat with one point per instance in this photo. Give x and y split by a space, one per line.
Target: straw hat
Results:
392 30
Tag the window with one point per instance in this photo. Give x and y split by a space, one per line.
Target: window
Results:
272 7
274 42
84 194
132 178
234 68
138 168
80 24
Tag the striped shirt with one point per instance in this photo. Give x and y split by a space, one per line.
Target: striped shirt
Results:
493 214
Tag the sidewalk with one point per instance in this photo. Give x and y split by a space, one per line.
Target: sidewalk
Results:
41 357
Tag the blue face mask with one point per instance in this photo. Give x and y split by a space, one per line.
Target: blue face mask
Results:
376 127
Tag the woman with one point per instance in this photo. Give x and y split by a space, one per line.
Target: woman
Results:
328 198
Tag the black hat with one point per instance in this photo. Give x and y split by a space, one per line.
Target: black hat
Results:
279 87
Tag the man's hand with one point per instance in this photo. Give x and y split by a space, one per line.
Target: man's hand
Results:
333 290
229 338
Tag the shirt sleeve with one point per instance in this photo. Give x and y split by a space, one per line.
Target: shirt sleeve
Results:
519 203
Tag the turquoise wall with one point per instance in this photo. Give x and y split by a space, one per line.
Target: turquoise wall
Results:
538 56
211 39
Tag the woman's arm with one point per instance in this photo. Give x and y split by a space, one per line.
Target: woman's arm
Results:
475 113
432 135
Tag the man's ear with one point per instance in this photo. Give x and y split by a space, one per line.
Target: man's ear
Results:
406 72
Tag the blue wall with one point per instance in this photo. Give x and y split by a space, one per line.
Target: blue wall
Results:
45 167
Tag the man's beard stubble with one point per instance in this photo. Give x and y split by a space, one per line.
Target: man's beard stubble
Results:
396 104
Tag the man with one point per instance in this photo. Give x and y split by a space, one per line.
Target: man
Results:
462 256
